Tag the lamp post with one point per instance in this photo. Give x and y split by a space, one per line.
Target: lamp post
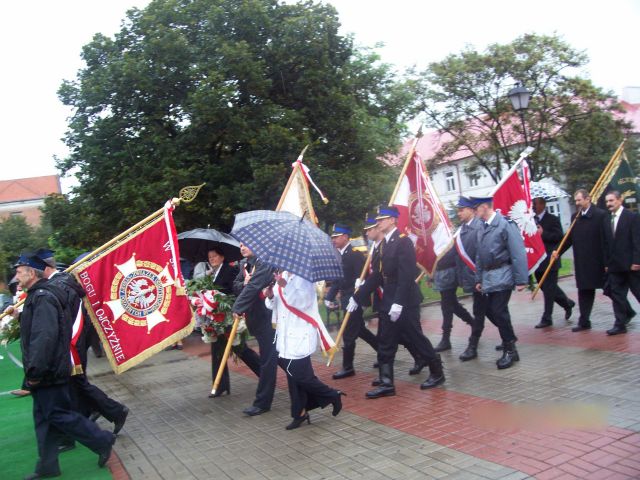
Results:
519 96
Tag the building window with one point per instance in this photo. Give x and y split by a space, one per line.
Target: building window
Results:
474 179
451 181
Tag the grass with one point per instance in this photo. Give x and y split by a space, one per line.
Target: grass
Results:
17 437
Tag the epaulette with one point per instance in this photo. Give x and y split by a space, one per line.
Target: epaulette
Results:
402 235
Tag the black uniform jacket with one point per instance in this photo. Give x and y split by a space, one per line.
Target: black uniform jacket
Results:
623 249
352 264
249 298
551 236
45 335
226 277
396 274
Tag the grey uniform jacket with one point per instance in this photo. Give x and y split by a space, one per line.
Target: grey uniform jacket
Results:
501 260
470 236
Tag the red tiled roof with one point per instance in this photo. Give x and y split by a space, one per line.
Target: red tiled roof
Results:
21 189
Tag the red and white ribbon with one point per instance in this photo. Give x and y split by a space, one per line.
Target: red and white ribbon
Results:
307 175
204 303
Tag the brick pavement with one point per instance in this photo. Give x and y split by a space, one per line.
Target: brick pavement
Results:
175 431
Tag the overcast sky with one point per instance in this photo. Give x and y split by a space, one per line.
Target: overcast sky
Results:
42 40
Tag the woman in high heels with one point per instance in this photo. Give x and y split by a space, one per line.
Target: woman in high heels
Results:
294 303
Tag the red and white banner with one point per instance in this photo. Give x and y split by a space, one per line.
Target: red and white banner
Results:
422 216
513 199
135 294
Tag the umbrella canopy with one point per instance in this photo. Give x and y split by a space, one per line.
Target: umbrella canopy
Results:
288 242
195 244
547 191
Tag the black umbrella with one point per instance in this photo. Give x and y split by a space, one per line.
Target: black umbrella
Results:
195 244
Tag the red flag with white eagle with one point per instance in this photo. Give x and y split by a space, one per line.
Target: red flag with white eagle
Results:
135 293
512 197
422 216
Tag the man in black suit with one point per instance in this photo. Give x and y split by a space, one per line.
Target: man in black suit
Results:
588 254
399 313
255 276
621 258
551 232
352 265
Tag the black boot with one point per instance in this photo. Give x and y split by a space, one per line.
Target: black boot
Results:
419 364
444 344
386 388
509 356
472 350
436 375
348 354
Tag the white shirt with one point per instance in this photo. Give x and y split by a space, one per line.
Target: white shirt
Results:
616 218
584 212
540 215
344 249
493 215
388 235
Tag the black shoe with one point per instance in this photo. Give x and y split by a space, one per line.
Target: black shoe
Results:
219 392
298 421
417 367
337 403
376 383
376 365
382 391
94 416
499 348
569 311
509 356
252 411
65 447
444 344
472 350
344 373
544 324
119 423
580 328
103 458
616 330
432 381
36 475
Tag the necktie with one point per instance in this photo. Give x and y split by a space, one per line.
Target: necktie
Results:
537 218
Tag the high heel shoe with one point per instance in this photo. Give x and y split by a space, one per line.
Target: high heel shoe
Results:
220 392
337 403
298 421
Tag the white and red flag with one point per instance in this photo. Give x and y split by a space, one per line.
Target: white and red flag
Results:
422 216
135 293
512 197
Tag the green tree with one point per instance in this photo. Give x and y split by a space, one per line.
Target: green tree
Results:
17 236
226 92
465 95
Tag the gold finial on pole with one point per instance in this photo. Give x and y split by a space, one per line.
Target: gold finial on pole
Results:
189 193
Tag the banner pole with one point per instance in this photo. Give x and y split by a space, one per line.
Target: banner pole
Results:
225 355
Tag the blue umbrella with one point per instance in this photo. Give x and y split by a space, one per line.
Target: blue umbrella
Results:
288 242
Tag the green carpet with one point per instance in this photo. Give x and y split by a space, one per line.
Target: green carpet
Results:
17 437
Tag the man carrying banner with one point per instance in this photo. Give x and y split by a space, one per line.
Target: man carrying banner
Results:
253 278
588 254
45 338
550 230
466 245
400 307
501 264
352 265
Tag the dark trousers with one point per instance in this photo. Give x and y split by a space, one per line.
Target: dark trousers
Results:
479 314
407 327
552 293
498 312
53 418
305 389
264 333
247 355
355 329
450 306
586 297
621 283
89 398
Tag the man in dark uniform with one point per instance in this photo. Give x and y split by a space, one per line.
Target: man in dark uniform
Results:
501 264
87 397
400 307
621 259
466 245
588 254
255 276
551 232
352 265
45 335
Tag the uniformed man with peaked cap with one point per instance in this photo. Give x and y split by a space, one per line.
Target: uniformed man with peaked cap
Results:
399 312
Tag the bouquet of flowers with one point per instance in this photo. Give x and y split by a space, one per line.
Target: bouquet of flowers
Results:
214 311
9 329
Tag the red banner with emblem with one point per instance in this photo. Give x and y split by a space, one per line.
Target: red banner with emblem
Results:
512 198
135 293
422 216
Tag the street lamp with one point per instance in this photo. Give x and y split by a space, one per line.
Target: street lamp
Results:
519 97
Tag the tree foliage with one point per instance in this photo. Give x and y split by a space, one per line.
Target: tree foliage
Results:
17 236
466 95
225 92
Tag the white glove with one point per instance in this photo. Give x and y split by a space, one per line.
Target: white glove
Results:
328 303
352 306
395 312
359 283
